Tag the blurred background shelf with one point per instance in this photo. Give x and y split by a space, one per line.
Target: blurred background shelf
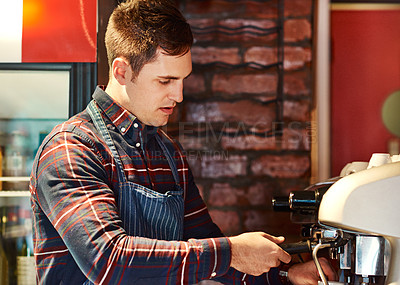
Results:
14 178
14 193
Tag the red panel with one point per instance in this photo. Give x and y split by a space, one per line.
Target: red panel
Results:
59 31
365 70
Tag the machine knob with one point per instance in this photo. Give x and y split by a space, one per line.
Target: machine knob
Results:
281 204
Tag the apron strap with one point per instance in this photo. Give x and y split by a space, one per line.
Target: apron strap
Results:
170 159
172 150
102 128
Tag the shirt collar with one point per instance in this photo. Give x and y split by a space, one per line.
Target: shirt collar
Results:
121 118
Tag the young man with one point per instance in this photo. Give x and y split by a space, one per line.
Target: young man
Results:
113 197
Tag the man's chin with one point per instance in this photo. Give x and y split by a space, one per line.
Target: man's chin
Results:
158 124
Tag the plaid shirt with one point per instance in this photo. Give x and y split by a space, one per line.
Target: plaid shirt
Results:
78 234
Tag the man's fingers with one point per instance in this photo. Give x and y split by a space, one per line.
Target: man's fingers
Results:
257 252
274 239
285 257
282 255
328 270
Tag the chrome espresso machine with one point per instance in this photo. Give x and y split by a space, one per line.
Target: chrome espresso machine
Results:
357 217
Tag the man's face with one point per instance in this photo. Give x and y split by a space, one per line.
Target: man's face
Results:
157 89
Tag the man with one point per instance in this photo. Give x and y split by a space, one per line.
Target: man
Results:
114 200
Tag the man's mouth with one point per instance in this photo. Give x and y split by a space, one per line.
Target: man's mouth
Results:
167 110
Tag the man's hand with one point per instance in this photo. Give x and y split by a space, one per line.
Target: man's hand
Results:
307 273
257 252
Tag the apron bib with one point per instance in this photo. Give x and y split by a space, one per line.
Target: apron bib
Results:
145 212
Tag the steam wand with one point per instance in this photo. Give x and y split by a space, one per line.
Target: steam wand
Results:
340 241
319 268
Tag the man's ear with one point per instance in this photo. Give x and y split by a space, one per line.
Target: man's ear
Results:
121 70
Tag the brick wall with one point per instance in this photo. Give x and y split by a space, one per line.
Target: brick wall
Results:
226 120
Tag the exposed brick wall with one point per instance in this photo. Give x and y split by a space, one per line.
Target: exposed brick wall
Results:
226 120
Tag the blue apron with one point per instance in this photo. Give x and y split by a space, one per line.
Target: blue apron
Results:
143 211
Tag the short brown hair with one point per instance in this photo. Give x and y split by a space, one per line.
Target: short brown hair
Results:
136 29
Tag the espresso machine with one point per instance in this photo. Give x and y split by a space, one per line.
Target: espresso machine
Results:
356 217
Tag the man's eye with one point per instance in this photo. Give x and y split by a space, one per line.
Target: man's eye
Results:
164 82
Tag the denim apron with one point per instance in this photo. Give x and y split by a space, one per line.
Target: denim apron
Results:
143 211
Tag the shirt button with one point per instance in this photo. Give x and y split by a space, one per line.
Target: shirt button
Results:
123 129
213 274
135 125
137 144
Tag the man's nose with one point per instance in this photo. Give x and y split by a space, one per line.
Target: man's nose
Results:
177 93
